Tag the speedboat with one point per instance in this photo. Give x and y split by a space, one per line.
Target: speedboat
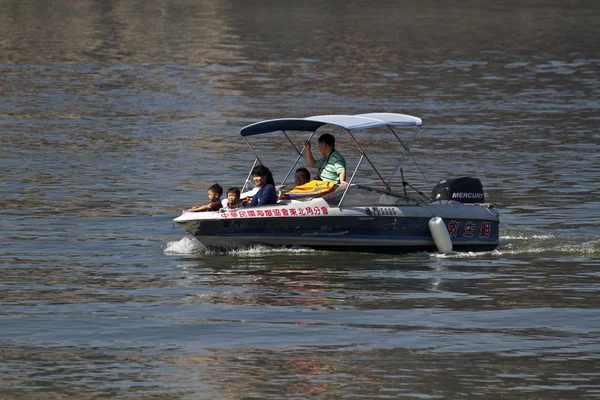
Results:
370 213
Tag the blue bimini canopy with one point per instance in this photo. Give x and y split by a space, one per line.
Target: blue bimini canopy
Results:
348 122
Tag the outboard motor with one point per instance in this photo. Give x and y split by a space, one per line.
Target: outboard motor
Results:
465 190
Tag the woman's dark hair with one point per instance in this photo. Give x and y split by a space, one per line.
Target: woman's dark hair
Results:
261 170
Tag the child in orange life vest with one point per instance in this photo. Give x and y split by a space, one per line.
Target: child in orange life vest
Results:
214 198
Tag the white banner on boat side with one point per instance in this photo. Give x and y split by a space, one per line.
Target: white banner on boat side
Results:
277 212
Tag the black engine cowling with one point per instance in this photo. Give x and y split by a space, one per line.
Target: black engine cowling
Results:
465 190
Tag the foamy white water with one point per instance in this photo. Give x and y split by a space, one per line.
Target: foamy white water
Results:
186 245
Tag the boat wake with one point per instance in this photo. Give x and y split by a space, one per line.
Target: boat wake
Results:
554 245
190 246
549 244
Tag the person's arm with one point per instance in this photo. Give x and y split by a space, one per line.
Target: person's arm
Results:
254 200
201 208
343 177
309 156
214 206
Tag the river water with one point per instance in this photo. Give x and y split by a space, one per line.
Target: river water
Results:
116 115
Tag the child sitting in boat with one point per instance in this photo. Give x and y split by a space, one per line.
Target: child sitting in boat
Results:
214 197
233 201
302 176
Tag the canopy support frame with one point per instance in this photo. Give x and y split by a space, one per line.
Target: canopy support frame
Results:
300 154
406 151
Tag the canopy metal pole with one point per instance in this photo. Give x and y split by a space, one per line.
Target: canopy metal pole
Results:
369 161
257 160
400 140
300 154
249 174
252 149
350 181
407 151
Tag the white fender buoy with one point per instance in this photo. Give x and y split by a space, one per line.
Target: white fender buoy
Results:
440 235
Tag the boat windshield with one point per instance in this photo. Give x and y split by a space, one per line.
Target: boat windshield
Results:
360 196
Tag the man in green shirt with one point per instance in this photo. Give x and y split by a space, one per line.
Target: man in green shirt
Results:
332 166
